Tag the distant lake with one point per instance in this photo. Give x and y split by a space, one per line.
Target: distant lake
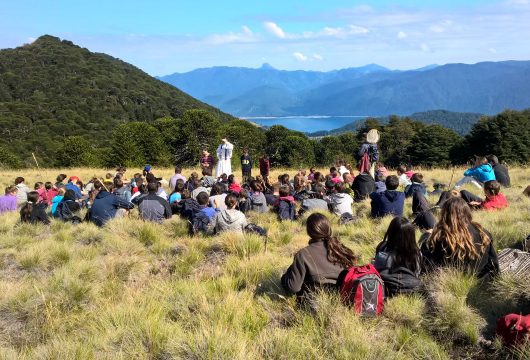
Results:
306 124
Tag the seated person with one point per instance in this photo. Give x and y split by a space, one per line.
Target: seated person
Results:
207 180
68 209
460 242
501 171
340 202
318 265
217 197
34 212
421 209
197 189
363 186
380 185
106 205
403 178
176 195
243 201
230 219
8 202
397 258
203 200
258 202
388 202
494 199
285 205
416 185
315 203
477 175
153 207
233 184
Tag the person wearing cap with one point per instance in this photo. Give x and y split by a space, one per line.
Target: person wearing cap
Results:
224 154
72 185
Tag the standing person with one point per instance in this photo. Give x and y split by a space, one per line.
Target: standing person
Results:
318 265
8 202
369 153
23 191
501 171
459 241
207 160
178 176
264 167
478 174
34 212
246 165
224 155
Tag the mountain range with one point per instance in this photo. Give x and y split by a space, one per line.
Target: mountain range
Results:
371 90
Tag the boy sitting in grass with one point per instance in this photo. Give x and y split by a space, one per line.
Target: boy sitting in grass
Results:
494 199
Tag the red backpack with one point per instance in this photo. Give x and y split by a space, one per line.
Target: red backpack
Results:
513 328
363 288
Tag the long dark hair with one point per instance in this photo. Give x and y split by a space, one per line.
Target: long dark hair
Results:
319 229
400 239
25 211
452 231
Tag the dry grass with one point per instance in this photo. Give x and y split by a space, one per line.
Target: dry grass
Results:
139 290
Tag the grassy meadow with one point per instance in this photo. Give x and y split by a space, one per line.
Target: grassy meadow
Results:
137 290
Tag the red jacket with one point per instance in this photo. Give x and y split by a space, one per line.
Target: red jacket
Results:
234 187
264 167
495 202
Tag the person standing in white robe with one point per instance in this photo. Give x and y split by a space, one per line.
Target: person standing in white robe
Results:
224 154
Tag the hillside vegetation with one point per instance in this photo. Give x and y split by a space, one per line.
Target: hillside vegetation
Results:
52 89
137 290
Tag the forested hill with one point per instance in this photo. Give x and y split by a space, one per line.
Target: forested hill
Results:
51 89
461 123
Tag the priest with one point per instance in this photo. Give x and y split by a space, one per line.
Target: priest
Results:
224 156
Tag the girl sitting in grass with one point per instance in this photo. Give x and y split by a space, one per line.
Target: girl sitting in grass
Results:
319 264
34 212
460 242
397 258
494 198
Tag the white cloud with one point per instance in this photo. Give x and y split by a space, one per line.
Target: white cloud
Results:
318 57
402 35
30 40
246 35
492 50
425 47
274 29
299 56
343 31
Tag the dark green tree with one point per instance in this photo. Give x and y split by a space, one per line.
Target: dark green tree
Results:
432 145
8 160
137 144
78 151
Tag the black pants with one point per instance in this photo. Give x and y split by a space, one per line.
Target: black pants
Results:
470 197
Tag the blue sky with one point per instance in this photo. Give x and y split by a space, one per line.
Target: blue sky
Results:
162 37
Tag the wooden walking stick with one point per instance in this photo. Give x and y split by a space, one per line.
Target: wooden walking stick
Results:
452 177
36 162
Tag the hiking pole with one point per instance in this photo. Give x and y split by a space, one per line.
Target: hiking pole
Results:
452 177
36 162
266 239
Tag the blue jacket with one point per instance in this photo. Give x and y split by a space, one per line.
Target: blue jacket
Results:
481 173
75 189
412 188
105 207
387 202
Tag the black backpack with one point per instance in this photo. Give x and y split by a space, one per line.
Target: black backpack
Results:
397 279
200 223
64 213
286 210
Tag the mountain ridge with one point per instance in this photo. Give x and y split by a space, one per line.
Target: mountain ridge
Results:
486 87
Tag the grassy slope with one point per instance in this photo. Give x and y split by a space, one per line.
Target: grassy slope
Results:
139 290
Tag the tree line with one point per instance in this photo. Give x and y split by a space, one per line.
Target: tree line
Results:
168 141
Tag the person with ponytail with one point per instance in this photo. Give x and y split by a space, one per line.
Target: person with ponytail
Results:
319 264
458 241
33 211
